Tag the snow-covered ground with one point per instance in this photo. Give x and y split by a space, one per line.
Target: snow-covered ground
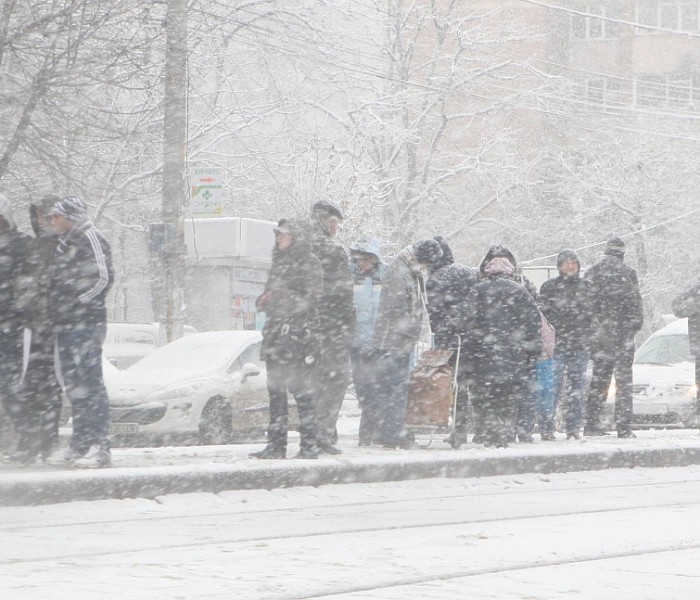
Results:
617 534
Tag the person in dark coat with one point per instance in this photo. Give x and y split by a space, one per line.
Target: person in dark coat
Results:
337 322
289 348
616 302
79 279
13 247
41 391
687 304
396 332
447 287
368 273
524 422
501 328
566 303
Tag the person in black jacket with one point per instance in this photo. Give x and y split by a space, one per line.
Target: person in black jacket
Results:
41 391
447 287
290 302
524 422
337 322
687 304
501 328
616 302
80 277
566 302
13 247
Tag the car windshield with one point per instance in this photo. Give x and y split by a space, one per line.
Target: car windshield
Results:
191 353
665 350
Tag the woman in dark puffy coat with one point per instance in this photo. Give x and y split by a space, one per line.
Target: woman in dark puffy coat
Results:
290 301
501 328
446 289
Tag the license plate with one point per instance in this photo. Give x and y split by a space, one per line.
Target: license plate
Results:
123 428
646 408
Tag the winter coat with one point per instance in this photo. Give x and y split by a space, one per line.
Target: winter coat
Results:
81 275
290 301
500 326
687 304
32 286
336 306
366 291
566 302
398 324
447 287
13 248
616 302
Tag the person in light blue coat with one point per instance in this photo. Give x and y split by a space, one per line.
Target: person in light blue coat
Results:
368 271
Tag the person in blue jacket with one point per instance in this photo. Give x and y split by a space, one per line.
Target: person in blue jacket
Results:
368 271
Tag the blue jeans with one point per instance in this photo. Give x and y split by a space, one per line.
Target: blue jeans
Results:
392 395
546 395
572 363
80 361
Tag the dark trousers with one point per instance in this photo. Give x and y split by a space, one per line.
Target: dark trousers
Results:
10 372
496 402
295 378
41 397
392 395
614 359
364 376
80 361
332 374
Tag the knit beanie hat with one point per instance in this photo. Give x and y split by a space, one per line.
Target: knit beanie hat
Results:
71 208
615 247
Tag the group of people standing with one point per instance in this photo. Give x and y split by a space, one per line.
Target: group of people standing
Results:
512 383
52 324
333 314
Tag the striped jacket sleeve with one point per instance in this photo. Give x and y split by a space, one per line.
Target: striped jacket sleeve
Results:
103 271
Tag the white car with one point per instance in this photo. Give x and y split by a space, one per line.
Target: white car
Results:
207 387
664 380
126 343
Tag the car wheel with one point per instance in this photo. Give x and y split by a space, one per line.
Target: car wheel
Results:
215 426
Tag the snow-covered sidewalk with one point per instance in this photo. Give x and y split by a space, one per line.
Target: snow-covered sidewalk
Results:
150 472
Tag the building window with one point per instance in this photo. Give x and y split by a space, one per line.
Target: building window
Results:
675 91
584 27
678 15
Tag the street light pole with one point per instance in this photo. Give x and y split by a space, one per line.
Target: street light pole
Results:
174 165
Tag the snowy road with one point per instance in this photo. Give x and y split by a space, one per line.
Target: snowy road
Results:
614 534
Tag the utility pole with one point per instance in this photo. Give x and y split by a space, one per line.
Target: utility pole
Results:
174 166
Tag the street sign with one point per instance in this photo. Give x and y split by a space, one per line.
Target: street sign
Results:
207 198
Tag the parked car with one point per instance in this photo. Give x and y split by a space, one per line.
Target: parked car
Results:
126 343
205 387
664 381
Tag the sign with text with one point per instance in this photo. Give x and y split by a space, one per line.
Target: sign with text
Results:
207 191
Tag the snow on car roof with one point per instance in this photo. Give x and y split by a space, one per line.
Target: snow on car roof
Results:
677 327
198 350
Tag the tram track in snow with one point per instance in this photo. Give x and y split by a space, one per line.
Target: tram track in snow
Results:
248 511
468 573
339 530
